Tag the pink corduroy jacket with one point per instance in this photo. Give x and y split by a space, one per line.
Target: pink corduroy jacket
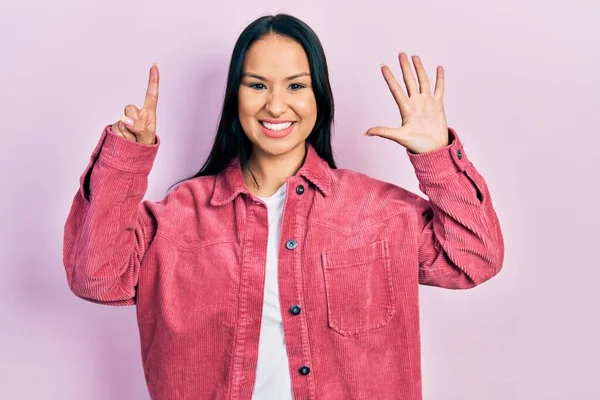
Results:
353 251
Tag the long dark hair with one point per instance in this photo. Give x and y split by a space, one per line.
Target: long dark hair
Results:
230 140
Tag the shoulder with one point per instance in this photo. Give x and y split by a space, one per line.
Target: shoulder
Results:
356 202
357 185
366 200
187 196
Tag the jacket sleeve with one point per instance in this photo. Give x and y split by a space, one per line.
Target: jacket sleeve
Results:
109 228
460 240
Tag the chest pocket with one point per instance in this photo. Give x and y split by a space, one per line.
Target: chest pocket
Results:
359 288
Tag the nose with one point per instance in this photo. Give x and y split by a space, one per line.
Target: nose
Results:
276 103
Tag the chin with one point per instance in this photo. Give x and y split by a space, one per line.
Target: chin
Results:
278 147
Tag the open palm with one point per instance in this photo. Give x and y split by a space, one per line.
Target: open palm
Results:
424 127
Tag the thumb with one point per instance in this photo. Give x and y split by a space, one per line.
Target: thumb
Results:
384 132
131 119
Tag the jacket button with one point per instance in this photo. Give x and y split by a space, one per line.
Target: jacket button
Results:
295 309
300 189
459 154
304 370
291 244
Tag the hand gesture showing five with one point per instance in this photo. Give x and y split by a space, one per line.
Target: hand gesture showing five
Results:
424 127
140 125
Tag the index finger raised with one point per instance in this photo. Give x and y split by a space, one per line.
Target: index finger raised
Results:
152 91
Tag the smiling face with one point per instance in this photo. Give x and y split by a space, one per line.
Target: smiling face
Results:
277 106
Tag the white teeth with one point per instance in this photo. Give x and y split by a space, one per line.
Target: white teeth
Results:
276 127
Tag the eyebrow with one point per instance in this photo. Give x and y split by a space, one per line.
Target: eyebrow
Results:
289 78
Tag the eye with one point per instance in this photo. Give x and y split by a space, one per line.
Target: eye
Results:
257 86
296 86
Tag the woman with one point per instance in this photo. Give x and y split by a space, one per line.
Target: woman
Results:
271 274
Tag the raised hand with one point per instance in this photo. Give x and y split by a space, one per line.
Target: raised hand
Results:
424 127
140 125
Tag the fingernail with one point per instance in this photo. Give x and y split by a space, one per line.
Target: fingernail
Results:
127 121
154 64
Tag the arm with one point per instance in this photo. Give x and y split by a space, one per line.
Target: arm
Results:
108 228
460 240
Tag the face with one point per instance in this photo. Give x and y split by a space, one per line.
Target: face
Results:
277 106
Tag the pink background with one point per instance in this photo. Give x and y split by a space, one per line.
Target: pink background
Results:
522 91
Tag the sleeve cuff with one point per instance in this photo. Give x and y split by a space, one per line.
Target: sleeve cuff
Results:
438 164
125 155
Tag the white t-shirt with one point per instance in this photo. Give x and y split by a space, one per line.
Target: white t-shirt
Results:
272 371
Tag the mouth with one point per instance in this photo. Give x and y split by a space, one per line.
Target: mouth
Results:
277 130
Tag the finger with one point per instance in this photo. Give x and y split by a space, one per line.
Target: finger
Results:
421 74
152 91
440 80
394 87
382 131
150 118
132 112
135 126
397 135
115 129
122 130
407 74
147 117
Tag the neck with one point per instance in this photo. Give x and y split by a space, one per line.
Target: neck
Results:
271 172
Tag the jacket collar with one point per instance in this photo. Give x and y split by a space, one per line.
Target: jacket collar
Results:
229 183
